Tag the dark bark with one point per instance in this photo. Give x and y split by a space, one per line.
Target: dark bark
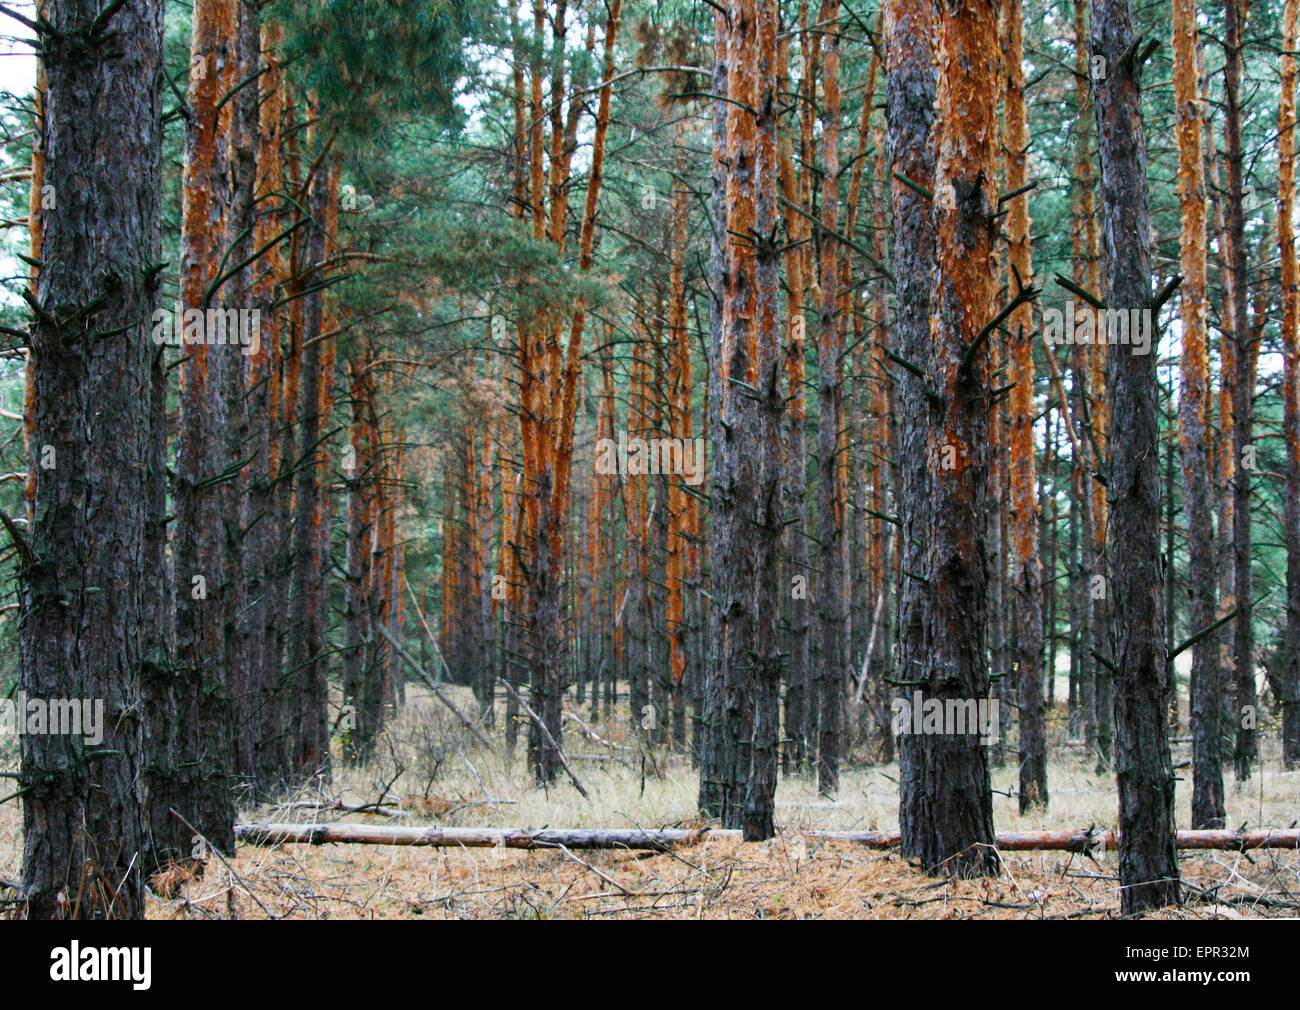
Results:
82 582
1144 769
246 621
831 657
709 733
910 112
207 523
758 818
738 473
309 728
1246 712
1289 658
948 823
360 690
546 640
945 809
1207 793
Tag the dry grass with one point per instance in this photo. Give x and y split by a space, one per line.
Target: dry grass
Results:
424 773
785 878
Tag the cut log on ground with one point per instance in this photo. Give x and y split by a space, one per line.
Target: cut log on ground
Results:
663 838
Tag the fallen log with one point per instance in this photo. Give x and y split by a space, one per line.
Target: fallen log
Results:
662 838
474 838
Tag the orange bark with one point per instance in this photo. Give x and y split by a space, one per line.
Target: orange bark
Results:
36 233
1286 241
1024 490
1287 684
264 365
202 217
586 245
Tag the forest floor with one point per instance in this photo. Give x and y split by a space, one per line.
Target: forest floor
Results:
424 770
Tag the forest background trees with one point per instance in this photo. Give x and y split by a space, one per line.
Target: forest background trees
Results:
702 367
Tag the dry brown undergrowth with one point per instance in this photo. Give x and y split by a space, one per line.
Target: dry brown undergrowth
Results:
433 777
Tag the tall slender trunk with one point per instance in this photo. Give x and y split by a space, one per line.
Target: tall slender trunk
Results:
1290 657
1246 709
760 789
713 783
245 609
206 525
1001 608
949 820
550 383
738 471
679 426
1027 572
832 660
910 98
1171 608
1207 794
358 690
1084 252
309 748
261 531
1144 769
799 668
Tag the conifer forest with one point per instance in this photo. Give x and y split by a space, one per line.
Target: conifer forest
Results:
646 459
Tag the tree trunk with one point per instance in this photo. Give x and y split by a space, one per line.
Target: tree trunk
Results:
206 525
738 473
797 694
679 426
1290 657
245 623
82 581
309 743
1207 794
758 818
831 532
263 532
1026 568
358 472
1144 769
710 736
949 820
662 839
1085 261
910 98
1246 711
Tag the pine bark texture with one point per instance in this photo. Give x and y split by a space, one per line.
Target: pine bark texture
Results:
1027 568
830 583
946 811
1193 437
1290 657
191 761
910 112
758 815
1143 767
82 583
1246 708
